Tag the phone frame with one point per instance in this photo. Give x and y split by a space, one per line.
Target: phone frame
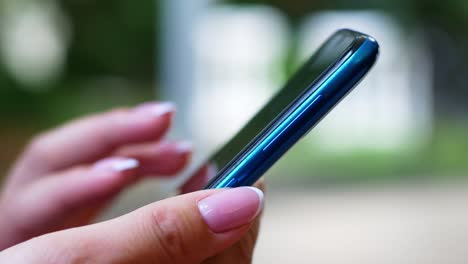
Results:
301 115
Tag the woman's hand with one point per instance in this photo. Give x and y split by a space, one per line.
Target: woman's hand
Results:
200 227
66 176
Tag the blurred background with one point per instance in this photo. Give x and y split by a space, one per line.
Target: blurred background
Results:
392 189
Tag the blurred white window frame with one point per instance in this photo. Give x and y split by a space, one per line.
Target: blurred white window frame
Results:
238 54
217 65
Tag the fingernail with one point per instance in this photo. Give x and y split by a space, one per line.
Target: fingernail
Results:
117 164
156 109
184 147
231 209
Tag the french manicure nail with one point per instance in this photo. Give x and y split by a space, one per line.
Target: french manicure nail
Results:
184 147
231 208
156 109
117 164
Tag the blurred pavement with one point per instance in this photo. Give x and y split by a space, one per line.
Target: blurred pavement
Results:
422 223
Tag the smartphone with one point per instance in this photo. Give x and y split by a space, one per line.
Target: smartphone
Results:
319 85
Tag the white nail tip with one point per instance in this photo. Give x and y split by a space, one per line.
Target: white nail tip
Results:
261 198
125 165
184 147
162 109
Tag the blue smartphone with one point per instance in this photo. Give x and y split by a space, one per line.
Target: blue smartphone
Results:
325 79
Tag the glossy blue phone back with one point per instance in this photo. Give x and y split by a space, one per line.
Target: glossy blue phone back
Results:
301 118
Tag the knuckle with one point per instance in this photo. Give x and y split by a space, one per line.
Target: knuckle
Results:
38 147
169 229
36 143
41 152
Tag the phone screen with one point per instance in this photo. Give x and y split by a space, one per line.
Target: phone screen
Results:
324 58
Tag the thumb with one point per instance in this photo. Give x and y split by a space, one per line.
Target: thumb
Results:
184 229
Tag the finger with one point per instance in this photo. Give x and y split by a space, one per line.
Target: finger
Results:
260 184
242 251
160 159
184 229
255 229
57 196
94 137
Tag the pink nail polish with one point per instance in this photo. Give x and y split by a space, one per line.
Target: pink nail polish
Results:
156 109
231 208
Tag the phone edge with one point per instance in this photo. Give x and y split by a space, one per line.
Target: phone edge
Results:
366 52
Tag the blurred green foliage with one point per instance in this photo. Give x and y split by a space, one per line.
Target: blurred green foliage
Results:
120 39
452 13
111 61
445 25
112 38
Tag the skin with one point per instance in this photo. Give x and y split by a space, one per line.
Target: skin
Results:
55 191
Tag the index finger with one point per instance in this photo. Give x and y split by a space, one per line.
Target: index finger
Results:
94 137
